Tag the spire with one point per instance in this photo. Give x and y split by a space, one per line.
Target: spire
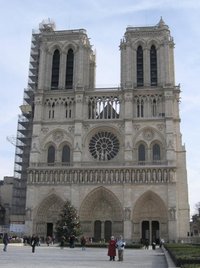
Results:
161 23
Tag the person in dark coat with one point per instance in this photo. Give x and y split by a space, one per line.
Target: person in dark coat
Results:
83 242
112 249
5 241
72 241
34 241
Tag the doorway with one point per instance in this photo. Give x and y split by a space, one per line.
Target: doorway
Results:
50 229
151 231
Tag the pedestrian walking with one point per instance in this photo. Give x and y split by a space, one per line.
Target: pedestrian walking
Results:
83 242
112 248
120 247
62 242
5 241
34 242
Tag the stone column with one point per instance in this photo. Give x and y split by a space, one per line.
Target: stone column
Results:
127 224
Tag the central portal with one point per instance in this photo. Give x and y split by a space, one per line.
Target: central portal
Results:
151 231
102 230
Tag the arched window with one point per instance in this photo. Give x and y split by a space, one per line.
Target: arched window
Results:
51 155
69 69
141 153
153 65
140 108
55 69
156 152
154 108
66 154
140 69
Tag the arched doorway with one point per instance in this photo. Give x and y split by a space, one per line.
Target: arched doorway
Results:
150 219
101 215
47 216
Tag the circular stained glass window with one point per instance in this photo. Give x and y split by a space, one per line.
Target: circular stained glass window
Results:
104 146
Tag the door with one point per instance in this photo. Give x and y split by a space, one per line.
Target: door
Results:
108 230
97 231
155 232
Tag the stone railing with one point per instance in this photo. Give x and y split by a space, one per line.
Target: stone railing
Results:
102 176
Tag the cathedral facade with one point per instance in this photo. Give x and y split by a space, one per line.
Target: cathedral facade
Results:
115 153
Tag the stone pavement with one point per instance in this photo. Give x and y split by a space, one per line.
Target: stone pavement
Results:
53 256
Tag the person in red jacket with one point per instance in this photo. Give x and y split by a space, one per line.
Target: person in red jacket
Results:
112 249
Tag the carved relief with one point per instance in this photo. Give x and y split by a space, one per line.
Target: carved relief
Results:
58 136
148 134
45 130
127 213
137 127
172 213
160 127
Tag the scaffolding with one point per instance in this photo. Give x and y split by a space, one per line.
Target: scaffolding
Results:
24 129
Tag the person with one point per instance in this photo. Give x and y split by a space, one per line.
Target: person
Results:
72 241
120 247
34 241
162 241
146 244
153 245
112 249
83 242
5 241
48 240
62 242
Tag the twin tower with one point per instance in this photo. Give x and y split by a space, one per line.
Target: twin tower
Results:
115 153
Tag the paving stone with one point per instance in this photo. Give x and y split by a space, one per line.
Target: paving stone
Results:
53 256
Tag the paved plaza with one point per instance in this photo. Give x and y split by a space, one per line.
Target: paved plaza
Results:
53 256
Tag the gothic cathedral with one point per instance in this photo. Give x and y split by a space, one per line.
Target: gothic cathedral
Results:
115 153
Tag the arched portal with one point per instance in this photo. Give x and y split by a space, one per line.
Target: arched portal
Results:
101 215
150 218
47 215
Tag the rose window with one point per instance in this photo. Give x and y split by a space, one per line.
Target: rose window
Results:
104 146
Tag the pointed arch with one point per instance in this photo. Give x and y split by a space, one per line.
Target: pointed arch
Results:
55 69
153 65
102 200
51 154
66 154
156 152
141 152
69 69
53 202
140 67
149 206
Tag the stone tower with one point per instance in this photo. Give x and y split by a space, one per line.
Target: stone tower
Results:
115 153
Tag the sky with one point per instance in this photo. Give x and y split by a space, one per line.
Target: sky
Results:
105 22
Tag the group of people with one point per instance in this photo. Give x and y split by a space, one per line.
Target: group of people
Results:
116 245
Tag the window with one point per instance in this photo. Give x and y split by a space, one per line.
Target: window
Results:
51 155
69 69
140 71
55 69
154 108
141 153
156 152
66 154
51 111
140 108
153 66
104 146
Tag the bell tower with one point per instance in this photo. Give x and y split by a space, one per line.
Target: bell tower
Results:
147 58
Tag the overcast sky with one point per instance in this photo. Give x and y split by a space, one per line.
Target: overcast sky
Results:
105 22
